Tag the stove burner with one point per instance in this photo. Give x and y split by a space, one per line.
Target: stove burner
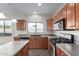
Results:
60 40
64 38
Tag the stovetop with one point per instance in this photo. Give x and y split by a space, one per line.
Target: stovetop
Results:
60 40
64 38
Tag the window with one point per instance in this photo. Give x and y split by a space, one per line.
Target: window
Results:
31 27
1 27
39 27
35 27
5 27
8 27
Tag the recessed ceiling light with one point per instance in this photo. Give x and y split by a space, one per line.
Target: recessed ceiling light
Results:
34 12
39 4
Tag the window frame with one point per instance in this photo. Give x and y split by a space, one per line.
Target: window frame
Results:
4 29
35 27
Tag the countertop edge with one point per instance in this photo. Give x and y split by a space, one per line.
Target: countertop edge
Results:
20 48
63 49
10 48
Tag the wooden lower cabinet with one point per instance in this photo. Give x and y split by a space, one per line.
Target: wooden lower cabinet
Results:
38 42
35 42
16 38
59 52
44 42
23 52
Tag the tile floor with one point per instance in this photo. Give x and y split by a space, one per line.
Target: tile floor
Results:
38 52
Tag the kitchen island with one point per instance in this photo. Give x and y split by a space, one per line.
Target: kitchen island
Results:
14 48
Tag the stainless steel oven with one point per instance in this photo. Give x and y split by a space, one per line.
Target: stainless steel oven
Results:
52 49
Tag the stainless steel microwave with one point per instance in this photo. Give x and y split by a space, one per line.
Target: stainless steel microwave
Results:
59 25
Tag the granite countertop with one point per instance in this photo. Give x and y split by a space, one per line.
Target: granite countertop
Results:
69 49
11 48
52 36
42 35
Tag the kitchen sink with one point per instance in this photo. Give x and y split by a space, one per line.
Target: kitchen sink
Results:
36 35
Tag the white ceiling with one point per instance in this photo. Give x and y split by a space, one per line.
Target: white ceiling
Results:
24 9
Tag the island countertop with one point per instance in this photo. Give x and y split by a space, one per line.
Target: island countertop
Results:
11 48
69 49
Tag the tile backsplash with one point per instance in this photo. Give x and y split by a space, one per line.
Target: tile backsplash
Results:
75 33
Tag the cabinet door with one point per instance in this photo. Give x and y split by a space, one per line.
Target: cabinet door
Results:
35 42
18 24
31 42
49 24
65 15
23 52
21 24
59 52
65 12
61 14
77 15
54 19
38 42
71 24
18 54
44 42
57 17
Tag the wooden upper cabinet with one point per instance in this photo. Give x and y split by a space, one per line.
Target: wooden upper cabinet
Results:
54 19
71 24
57 17
77 15
21 24
71 14
52 23
49 24
61 14
64 11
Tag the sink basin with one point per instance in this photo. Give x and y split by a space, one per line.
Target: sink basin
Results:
36 35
